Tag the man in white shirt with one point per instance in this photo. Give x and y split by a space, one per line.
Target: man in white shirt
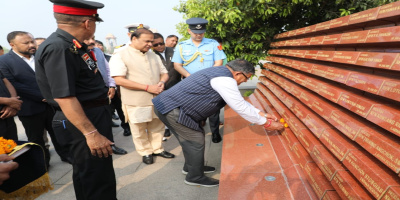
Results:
195 98
18 66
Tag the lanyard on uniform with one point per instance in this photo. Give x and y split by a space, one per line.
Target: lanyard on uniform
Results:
195 55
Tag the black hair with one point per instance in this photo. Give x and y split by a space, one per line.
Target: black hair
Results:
139 32
170 36
157 35
40 38
11 36
241 65
1 48
73 20
99 42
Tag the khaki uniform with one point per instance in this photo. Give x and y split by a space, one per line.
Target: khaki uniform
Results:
145 68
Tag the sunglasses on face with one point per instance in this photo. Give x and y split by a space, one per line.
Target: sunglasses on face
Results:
158 44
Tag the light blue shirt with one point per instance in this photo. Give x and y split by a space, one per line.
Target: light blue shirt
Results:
208 49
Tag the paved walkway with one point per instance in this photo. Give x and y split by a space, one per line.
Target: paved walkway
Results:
136 180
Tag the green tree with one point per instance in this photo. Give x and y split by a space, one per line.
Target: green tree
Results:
247 27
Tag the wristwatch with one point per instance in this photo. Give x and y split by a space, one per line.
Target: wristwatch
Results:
113 87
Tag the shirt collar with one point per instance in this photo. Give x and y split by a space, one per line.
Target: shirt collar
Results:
21 56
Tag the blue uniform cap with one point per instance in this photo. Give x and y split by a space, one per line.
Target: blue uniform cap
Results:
197 25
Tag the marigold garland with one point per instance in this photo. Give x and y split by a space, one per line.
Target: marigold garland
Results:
6 146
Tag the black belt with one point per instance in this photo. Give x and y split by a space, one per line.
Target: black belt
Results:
91 103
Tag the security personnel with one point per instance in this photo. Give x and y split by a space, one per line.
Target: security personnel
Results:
198 53
131 28
68 77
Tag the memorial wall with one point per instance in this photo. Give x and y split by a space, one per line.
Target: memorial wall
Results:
337 86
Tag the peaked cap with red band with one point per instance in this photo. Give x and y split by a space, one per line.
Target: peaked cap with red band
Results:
77 7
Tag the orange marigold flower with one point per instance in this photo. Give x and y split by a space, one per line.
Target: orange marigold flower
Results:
6 146
220 47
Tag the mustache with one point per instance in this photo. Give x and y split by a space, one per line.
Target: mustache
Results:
91 44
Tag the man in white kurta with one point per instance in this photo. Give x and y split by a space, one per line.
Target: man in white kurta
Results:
142 76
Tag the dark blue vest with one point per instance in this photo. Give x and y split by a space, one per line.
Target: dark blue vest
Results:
194 96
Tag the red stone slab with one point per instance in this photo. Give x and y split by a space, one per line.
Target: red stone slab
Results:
297 53
333 73
329 91
366 82
322 26
389 10
317 180
325 55
300 31
396 64
305 41
393 193
390 34
390 89
349 188
311 54
273 44
339 22
328 164
306 67
386 117
299 110
345 123
298 184
289 138
354 37
291 33
306 98
331 195
377 60
301 155
332 39
323 109
295 42
382 146
356 103
338 144
316 40
346 57
308 140
310 29
371 174
311 84
315 124
364 16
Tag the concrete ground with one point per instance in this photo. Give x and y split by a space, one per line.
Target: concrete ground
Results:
136 180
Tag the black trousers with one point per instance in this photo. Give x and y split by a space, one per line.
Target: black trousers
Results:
192 142
214 123
117 105
8 129
35 125
93 177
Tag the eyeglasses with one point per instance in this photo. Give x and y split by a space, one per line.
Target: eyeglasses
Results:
158 44
247 78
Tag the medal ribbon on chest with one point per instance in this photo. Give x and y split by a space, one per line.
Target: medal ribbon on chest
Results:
89 60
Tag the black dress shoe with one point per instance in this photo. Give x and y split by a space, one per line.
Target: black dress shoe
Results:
167 133
114 124
127 132
114 116
204 181
164 154
216 138
117 150
148 159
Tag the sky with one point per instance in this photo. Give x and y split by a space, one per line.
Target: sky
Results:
36 17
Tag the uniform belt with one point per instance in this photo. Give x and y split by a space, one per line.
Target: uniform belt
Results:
95 103
91 103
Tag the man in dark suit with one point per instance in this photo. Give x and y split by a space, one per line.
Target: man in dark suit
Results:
166 54
18 66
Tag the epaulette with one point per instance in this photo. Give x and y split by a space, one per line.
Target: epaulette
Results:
119 46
